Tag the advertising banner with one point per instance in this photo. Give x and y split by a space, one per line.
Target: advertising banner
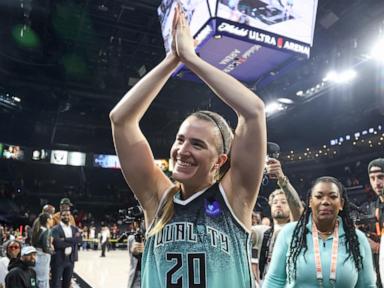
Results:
244 38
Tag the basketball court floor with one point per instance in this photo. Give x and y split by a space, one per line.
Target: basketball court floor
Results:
101 272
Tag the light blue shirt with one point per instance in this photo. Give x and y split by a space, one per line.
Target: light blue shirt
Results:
347 276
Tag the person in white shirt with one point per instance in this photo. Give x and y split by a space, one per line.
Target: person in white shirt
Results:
104 239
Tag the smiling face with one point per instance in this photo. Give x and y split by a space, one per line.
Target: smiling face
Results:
195 153
325 201
65 217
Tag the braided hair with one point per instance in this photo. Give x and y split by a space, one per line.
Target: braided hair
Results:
299 239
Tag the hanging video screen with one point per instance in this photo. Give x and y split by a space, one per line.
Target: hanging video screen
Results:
196 11
12 152
106 161
294 19
59 157
76 158
40 155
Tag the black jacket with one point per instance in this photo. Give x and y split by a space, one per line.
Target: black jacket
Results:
60 242
20 276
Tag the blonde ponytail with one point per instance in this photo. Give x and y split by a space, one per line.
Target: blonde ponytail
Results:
166 211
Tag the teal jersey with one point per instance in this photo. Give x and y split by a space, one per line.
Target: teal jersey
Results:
203 245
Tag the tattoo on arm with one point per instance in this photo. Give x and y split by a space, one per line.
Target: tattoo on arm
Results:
293 200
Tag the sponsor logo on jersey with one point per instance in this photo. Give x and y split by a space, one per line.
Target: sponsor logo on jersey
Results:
185 232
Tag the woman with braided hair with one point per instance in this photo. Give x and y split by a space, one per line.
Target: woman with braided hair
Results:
198 231
322 249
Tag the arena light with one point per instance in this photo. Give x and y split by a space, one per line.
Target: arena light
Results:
342 77
285 101
377 50
300 93
17 99
333 142
273 107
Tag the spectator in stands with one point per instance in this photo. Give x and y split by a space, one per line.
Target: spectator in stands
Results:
92 237
285 206
256 218
48 209
66 238
323 248
114 235
104 239
42 241
2 234
135 251
266 221
376 179
12 249
27 235
21 273
65 205
85 236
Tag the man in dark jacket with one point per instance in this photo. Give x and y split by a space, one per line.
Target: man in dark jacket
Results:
66 238
21 274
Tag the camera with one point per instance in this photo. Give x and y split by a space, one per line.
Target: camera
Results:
131 214
273 150
139 236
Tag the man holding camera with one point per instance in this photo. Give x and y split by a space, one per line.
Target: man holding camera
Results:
285 206
135 243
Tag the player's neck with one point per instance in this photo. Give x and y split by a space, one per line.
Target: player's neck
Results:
190 190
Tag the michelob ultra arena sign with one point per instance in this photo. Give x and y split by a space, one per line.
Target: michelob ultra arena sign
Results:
244 38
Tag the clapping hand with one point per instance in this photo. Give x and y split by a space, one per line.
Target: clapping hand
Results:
183 44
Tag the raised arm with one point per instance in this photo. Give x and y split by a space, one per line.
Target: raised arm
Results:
144 178
293 198
249 145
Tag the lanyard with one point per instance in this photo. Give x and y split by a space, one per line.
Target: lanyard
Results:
335 248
